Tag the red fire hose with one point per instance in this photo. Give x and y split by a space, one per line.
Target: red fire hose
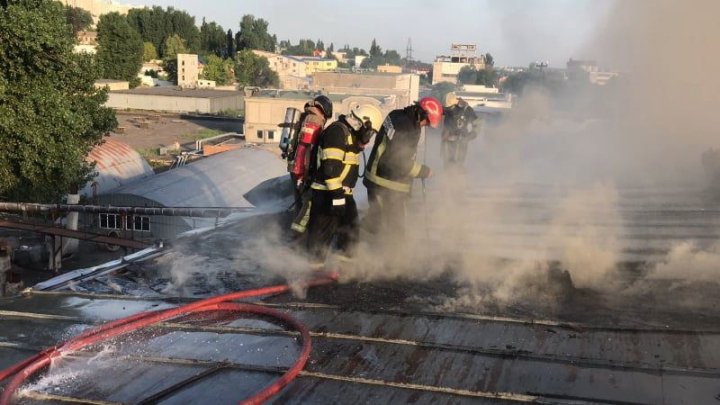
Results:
27 368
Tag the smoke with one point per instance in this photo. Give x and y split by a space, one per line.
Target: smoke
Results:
254 252
543 190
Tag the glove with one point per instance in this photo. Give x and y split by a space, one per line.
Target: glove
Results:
338 206
425 172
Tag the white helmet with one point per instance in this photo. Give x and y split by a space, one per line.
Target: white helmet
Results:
450 99
368 112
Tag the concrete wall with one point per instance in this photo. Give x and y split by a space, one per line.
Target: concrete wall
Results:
264 114
404 87
389 69
124 101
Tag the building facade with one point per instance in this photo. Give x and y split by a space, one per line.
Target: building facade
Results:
447 68
188 70
99 7
404 88
265 111
291 71
176 99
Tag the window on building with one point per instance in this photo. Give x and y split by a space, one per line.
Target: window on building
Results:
183 78
183 63
271 135
109 221
260 134
137 223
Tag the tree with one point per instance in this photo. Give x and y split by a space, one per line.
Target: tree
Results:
51 115
489 60
78 18
375 50
213 39
230 44
149 52
254 35
467 75
173 46
320 45
156 25
253 70
120 49
331 48
219 70
440 90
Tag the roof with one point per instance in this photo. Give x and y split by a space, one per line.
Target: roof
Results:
307 95
383 340
116 164
180 92
216 181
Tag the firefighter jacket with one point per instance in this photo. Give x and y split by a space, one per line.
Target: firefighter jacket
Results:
392 162
312 122
460 123
337 159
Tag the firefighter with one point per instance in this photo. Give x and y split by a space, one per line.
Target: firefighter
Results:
333 211
461 126
391 167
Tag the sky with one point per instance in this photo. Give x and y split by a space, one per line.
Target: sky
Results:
515 32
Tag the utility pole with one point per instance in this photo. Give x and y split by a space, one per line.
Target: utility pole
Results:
408 52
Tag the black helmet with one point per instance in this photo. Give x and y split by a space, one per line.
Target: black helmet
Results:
324 104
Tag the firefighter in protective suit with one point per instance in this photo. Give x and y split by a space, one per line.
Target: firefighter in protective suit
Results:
333 210
461 126
391 167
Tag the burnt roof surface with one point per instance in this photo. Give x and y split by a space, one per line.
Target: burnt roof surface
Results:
423 338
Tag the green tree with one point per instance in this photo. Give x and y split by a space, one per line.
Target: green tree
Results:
467 75
149 52
230 44
212 39
120 49
254 35
219 70
253 70
78 18
157 24
489 60
440 90
51 115
173 46
375 50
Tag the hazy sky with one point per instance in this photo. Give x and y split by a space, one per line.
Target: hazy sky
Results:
516 32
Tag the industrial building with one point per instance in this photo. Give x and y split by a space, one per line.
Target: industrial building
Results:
405 87
265 110
116 165
446 68
176 99
291 70
217 181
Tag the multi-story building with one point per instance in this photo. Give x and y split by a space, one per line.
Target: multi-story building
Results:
188 70
446 68
99 7
86 42
404 88
265 110
316 64
588 68
291 70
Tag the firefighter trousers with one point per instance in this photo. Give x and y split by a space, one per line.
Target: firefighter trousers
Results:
324 225
386 214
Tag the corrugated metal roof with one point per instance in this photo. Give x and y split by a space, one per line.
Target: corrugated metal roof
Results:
116 164
216 181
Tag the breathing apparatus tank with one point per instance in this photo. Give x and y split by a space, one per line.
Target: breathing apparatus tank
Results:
289 134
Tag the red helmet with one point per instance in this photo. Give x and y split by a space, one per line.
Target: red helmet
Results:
433 109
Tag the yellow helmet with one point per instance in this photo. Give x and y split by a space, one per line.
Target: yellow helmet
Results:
368 112
450 99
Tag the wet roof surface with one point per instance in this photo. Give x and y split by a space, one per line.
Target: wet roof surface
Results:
455 319
374 341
